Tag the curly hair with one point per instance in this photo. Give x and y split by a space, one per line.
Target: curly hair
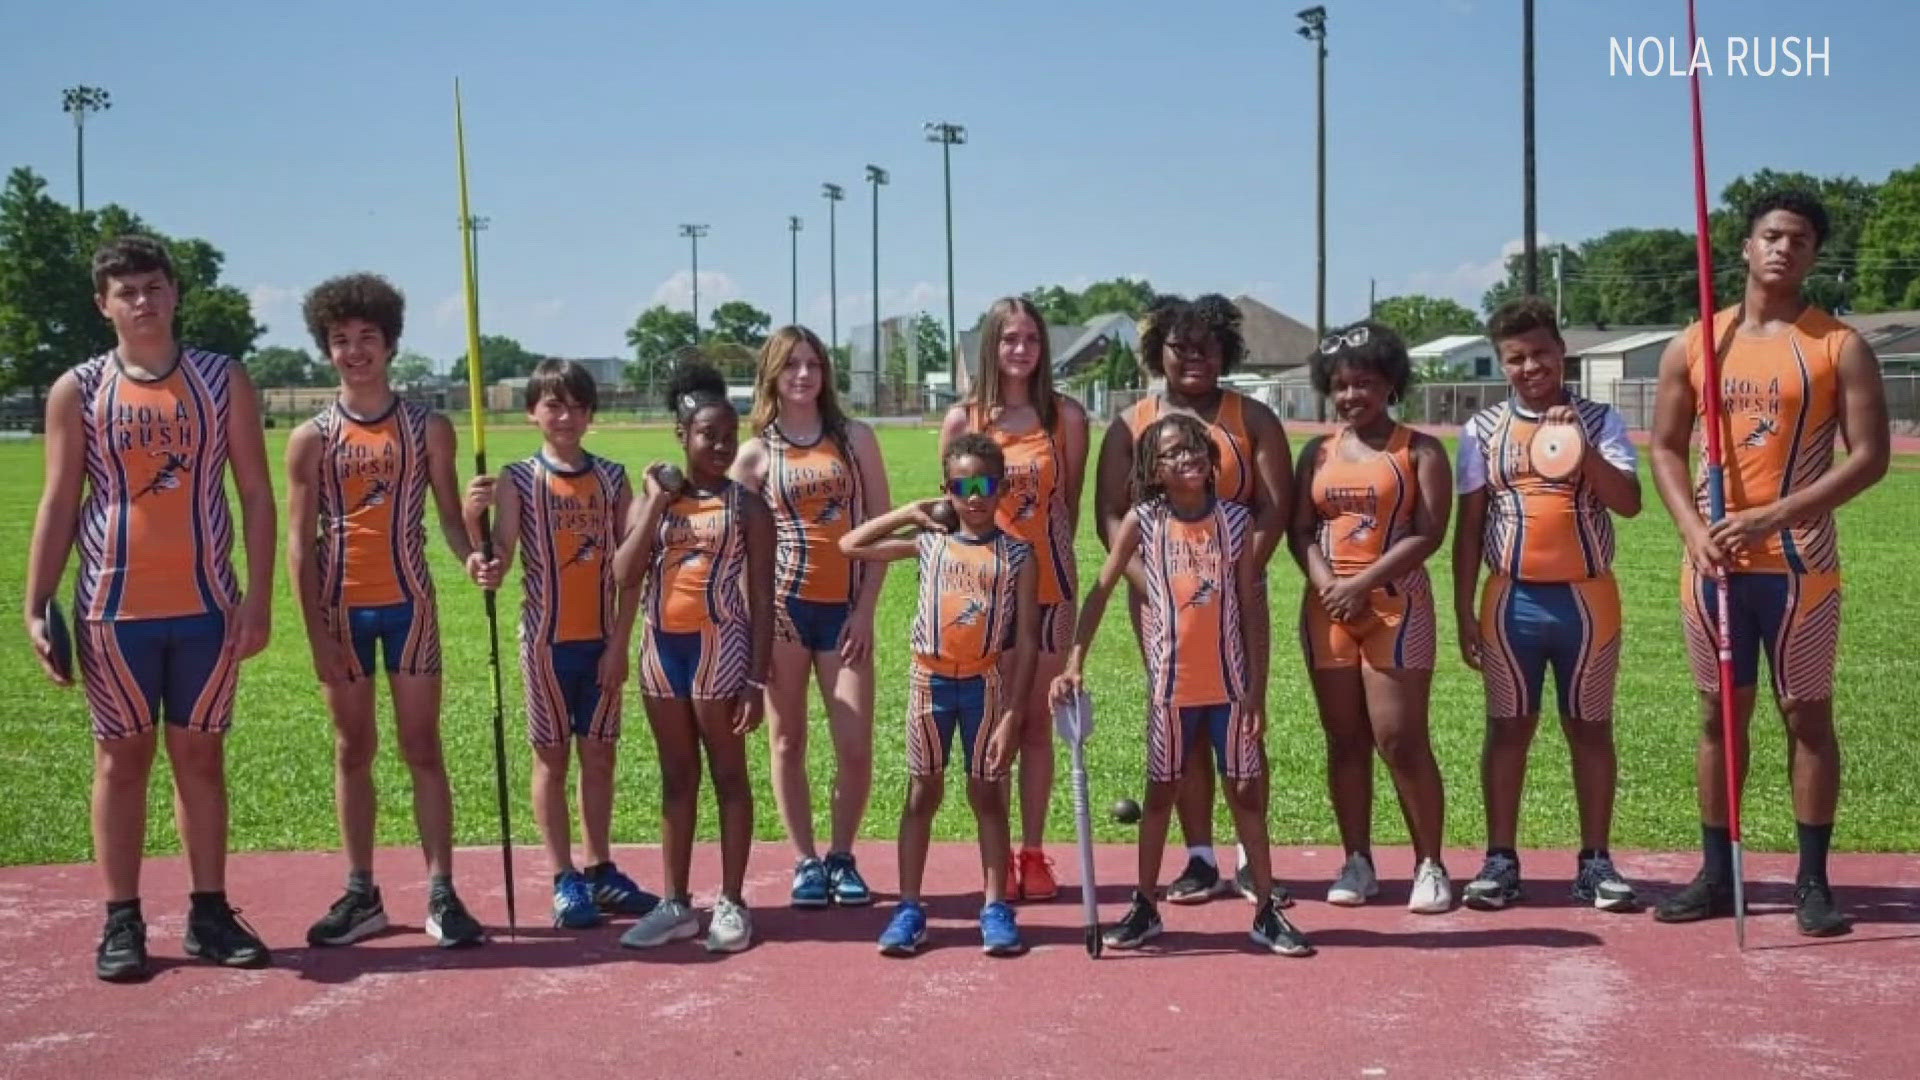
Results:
975 445
1793 201
1146 452
1212 316
1521 315
355 296
695 385
131 254
1365 346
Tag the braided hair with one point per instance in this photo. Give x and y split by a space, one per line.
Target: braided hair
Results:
1146 453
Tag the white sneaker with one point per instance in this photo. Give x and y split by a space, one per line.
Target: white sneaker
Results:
1356 883
1432 892
670 920
731 927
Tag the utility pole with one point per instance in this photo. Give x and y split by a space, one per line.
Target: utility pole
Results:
948 136
876 177
793 229
81 102
833 194
1529 224
1314 28
694 233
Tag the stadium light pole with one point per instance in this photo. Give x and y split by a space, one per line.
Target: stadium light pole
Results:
876 176
948 136
81 102
694 233
833 193
1528 213
793 275
1314 28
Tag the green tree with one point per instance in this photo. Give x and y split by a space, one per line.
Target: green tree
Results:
1420 319
1643 276
1890 246
1060 307
1121 294
220 318
503 358
410 369
276 366
929 343
1849 203
655 338
48 320
1577 301
740 322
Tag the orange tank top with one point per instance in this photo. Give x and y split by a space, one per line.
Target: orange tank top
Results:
155 530
1780 410
1034 506
699 564
1539 529
1190 626
373 502
569 529
1364 506
1235 480
969 600
813 490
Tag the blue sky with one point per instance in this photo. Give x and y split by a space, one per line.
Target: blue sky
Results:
1170 141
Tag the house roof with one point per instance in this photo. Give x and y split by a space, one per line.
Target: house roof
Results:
1583 339
1622 345
1441 346
1274 340
1868 323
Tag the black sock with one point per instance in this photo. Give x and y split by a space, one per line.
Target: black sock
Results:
129 907
597 869
1586 853
440 885
207 901
360 881
1507 851
1814 840
1717 840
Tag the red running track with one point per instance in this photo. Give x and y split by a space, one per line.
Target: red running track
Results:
1545 989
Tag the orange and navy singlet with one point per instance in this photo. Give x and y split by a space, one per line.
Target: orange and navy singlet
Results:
969 601
1539 529
696 600
155 531
1235 481
1191 624
1033 505
813 490
568 535
1364 507
373 502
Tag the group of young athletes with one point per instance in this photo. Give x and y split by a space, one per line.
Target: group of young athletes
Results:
752 572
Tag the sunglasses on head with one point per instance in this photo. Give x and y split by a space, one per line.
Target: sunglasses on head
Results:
1352 339
966 487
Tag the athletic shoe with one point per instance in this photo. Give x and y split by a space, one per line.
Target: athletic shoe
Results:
1197 884
1496 885
1138 926
1356 884
1813 909
1599 884
730 928
449 923
999 934
354 916
1432 891
906 931
122 956
1271 930
848 888
670 920
573 906
219 935
1703 898
1243 884
1036 876
810 884
617 894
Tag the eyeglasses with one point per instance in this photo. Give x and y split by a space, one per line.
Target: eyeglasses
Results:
966 487
1352 339
1195 349
1181 453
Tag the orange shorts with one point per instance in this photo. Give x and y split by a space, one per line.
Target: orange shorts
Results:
1794 619
1395 634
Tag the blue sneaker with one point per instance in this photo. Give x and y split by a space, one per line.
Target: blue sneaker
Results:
849 889
810 884
906 932
999 935
617 894
573 906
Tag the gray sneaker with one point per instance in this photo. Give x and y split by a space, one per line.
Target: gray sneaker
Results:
731 927
1496 885
670 920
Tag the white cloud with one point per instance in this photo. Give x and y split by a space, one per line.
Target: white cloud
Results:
450 309
278 308
1467 281
716 287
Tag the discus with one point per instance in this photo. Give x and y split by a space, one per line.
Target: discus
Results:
1557 449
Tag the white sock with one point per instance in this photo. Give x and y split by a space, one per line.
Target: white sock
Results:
1203 852
1240 853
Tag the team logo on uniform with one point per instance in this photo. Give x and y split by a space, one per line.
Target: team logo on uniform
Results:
376 495
1029 505
1202 595
1361 530
832 510
167 477
1764 428
969 615
585 553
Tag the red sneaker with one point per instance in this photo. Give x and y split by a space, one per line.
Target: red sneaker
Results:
1036 876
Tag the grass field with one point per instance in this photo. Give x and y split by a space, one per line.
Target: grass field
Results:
280 750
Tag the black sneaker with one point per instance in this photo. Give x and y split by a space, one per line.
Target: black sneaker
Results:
1495 886
1197 884
218 934
1813 909
1243 884
449 923
1140 925
354 916
1599 883
123 949
1271 930
1703 898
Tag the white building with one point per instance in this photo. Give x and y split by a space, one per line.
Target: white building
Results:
1468 356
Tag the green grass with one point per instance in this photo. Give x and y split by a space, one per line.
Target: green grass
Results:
280 764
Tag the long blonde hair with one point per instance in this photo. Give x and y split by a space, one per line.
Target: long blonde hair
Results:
766 391
985 396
